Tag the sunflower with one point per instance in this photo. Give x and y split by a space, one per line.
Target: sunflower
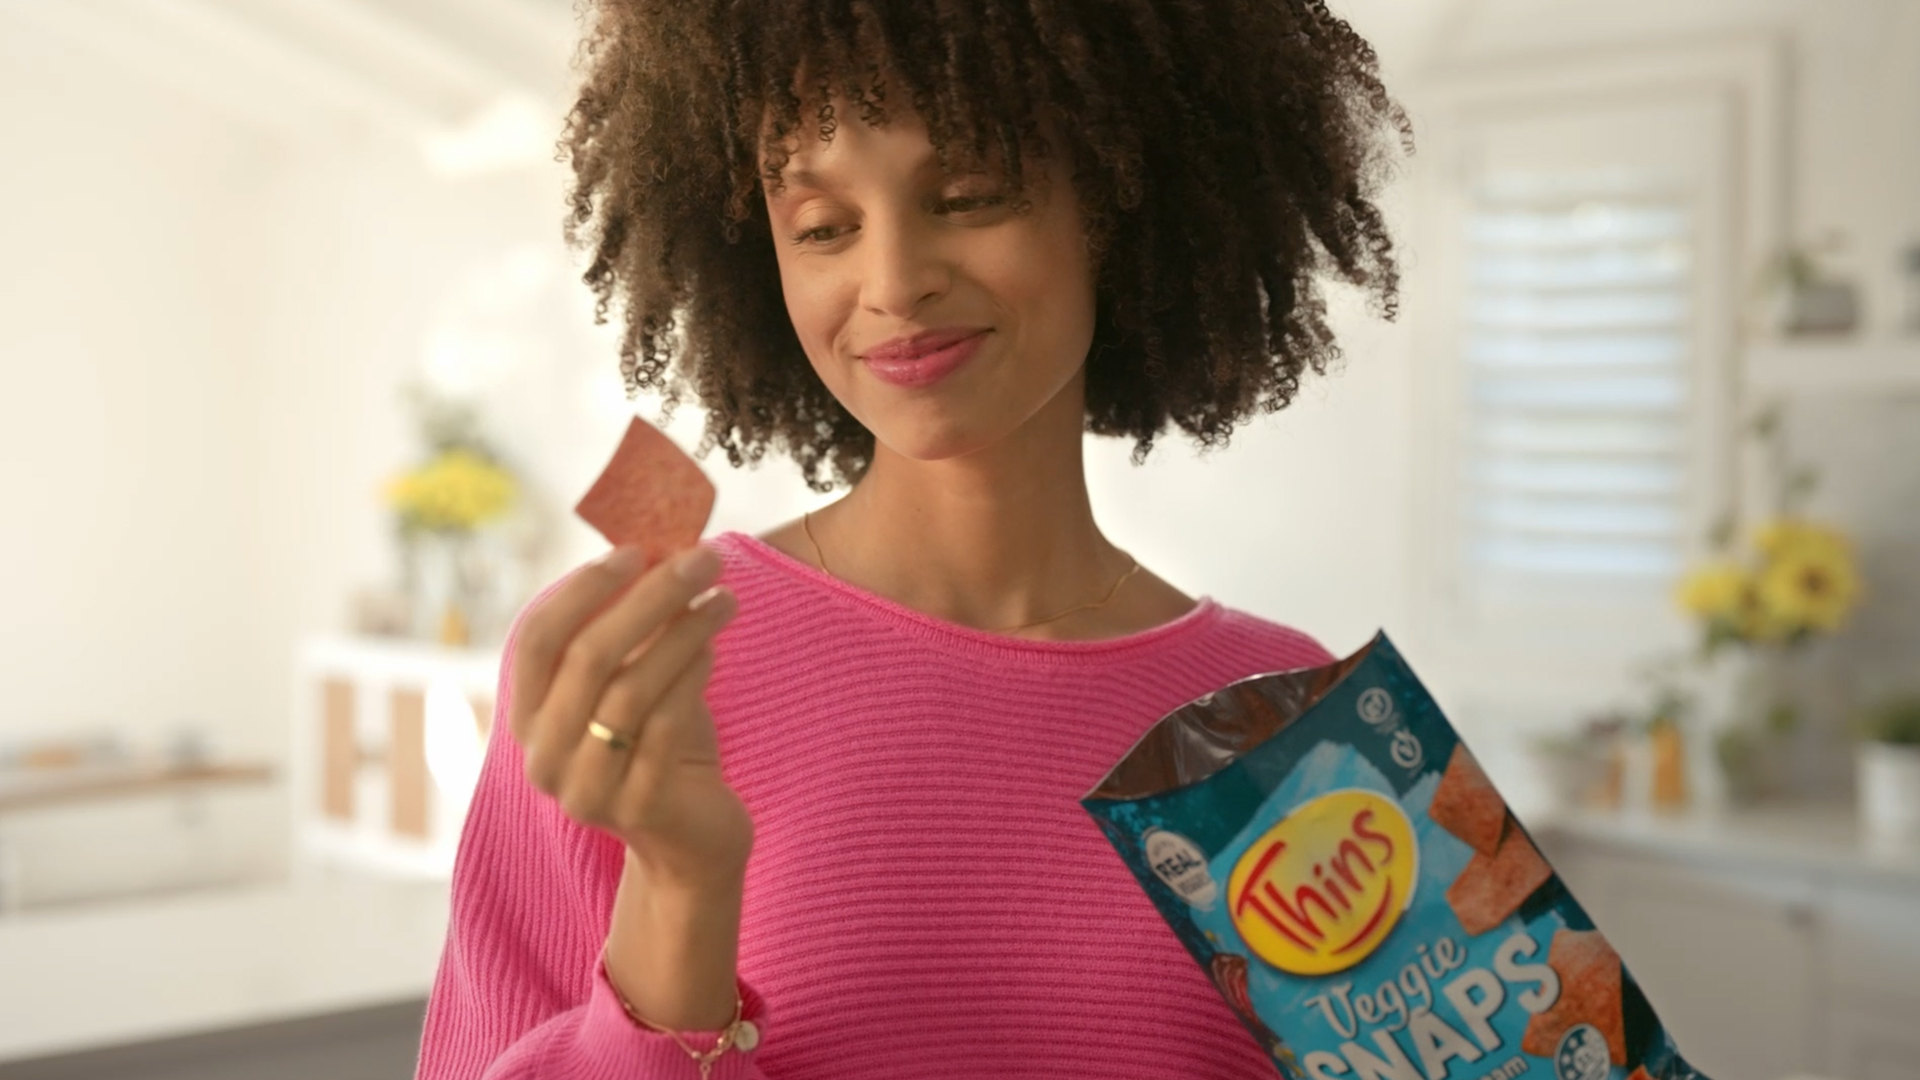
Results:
1798 578
1810 584
1758 620
1715 591
1785 535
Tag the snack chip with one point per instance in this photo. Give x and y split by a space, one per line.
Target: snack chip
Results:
1589 973
1493 887
651 494
1332 856
1466 805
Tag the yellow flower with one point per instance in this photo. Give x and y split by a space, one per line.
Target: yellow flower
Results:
1783 535
1759 621
1810 584
457 490
1715 590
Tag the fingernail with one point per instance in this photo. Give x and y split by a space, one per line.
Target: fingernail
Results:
699 566
624 559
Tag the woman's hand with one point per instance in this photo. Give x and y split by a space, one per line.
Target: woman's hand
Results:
633 655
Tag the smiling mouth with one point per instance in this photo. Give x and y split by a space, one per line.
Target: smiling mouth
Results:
919 346
915 364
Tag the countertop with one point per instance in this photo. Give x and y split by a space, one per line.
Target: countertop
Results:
1823 838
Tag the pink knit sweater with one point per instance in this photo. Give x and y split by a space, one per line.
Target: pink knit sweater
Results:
926 897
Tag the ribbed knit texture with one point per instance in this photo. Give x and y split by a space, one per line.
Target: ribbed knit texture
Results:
926 897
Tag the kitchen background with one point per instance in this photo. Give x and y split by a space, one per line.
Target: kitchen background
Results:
300 386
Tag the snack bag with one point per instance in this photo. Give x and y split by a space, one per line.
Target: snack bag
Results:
1331 854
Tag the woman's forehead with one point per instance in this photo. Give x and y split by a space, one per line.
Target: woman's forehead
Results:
810 154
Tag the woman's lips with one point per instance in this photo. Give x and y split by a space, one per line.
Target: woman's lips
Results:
926 368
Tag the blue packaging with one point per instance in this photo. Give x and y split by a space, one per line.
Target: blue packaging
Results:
1330 853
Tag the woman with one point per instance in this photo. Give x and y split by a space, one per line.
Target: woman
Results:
921 248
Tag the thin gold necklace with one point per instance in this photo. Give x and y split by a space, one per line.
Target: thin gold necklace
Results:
806 522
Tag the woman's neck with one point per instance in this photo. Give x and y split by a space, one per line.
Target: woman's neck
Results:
991 540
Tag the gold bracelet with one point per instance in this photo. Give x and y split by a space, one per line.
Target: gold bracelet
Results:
738 1033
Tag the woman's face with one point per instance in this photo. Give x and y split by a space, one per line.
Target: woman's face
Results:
939 318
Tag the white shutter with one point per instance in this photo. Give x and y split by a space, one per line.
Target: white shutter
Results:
1582 279
1586 225
1575 357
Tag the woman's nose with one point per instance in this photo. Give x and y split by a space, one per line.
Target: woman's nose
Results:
903 269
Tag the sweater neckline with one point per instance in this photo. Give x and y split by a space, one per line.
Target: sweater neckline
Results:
966 638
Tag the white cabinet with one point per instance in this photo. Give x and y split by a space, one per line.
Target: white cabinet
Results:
388 737
1867 1043
1873 970
1761 964
1728 960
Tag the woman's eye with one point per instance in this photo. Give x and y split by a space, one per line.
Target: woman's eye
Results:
818 235
964 203
959 204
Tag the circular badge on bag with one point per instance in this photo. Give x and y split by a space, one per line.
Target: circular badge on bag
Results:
1376 706
1582 1055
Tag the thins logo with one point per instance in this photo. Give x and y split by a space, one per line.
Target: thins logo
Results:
1321 890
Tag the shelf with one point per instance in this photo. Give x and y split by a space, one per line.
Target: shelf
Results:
401 659
33 790
1838 366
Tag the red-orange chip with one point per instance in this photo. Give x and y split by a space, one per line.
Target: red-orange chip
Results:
651 494
1493 887
1639 1073
1466 805
1590 988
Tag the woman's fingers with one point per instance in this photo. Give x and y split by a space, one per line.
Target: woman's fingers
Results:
547 630
680 736
633 695
636 704
602 648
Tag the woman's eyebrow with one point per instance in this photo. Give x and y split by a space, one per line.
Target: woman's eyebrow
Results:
805 178
801 176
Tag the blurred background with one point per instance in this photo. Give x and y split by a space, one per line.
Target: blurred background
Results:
301 385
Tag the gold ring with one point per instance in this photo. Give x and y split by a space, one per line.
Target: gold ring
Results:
613 738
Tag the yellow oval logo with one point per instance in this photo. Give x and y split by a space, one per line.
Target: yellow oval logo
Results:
1321 890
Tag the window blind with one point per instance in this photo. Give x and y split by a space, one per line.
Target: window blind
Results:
1575 347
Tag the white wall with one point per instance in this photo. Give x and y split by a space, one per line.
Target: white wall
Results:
126 314
203 335
132 554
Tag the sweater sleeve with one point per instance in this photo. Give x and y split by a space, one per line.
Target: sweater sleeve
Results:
521 990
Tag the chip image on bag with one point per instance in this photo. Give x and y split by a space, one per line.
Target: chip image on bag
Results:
1329 851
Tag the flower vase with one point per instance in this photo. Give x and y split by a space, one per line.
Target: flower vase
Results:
1770 717
495 576
1744 718
1722 750
438 587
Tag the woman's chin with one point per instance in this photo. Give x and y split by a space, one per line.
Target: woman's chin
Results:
925 439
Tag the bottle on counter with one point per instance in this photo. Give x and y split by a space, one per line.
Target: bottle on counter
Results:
1670 793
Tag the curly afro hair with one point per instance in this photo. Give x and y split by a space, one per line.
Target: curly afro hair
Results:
1224 153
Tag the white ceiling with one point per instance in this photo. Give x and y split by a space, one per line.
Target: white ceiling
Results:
309 69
